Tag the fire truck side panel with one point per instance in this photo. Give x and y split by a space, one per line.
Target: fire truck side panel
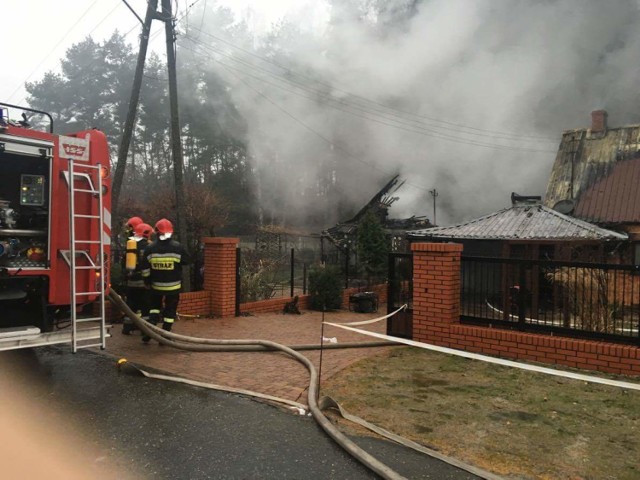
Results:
34 224
85 228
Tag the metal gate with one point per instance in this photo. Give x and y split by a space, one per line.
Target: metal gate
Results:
400 292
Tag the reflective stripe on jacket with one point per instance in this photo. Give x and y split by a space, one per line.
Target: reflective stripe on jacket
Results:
162 265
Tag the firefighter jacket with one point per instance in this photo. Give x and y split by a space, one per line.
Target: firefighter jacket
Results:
162 265
134 279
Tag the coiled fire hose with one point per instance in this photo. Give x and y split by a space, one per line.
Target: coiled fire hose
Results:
195 344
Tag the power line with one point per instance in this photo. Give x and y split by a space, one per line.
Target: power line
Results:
131 30
289 71
55 47
317 133
363 113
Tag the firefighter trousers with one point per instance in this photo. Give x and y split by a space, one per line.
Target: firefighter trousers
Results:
138 301
164 305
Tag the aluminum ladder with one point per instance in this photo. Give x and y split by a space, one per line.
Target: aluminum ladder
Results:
78 248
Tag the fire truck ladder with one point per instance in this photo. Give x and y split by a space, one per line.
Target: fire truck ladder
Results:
78 249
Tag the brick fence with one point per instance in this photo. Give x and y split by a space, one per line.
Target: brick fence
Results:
219 295
436 320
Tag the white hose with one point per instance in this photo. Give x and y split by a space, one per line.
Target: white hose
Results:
210 345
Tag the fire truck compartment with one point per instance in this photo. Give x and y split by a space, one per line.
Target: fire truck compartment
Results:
24 209
22 301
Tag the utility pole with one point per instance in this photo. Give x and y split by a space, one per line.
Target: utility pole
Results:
434 193
176 144
123 150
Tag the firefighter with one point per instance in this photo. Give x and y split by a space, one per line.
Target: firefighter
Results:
129 231
137 294
162 273
130 226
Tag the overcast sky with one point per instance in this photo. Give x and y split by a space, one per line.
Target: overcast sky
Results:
38 32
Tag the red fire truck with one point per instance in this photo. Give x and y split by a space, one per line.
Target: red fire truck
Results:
55 204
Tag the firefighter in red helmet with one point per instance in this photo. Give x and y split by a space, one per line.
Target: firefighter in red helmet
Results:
127 231
131 225
137 293
162 272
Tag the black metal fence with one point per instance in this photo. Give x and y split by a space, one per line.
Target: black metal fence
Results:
399 293
586 300
275 265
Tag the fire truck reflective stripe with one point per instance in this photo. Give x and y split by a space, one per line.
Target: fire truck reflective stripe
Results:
106 215
168 320
106 230
173 256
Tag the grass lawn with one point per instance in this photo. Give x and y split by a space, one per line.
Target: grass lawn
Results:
515 423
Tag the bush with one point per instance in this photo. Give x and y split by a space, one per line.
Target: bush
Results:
373 246
325 287
257 277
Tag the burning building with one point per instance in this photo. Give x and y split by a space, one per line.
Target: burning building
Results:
344 234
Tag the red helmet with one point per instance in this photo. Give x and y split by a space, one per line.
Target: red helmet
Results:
164 226
133 222
143 230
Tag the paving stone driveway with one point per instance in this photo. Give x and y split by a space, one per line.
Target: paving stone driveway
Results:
265 372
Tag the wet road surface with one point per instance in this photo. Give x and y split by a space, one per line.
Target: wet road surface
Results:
171 431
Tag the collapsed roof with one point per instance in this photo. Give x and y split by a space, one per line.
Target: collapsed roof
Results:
343 232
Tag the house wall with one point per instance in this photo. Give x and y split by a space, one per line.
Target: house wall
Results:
436 320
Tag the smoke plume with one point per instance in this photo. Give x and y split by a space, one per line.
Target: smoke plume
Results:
469 98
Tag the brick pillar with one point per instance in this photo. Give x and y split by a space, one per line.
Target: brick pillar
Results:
436 290
220 274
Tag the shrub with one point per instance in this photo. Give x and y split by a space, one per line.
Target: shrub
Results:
373 246
257 277
325 287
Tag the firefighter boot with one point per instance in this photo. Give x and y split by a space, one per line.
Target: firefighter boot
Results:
166 326
153 318
127 326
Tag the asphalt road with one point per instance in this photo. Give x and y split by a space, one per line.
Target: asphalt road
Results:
173 431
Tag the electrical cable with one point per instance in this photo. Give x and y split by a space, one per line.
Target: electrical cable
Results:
368 114
61 40
324 138
289 71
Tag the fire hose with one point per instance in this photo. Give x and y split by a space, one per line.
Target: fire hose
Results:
195 344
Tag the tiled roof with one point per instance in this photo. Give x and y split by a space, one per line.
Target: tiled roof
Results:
615 198
521 222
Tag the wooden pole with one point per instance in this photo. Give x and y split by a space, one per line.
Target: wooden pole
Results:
123 150
176 144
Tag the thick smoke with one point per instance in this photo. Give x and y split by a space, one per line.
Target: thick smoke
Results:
481 92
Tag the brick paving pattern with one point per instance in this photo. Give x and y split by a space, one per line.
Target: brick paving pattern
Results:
266 372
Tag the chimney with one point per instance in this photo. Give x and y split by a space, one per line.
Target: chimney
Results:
599 121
